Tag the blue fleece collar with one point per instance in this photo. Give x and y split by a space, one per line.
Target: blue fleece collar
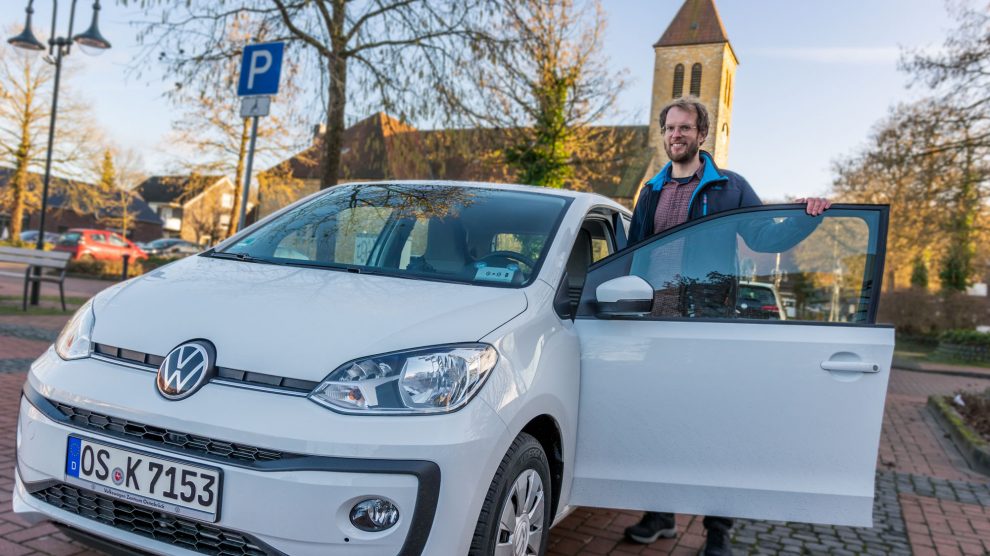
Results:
709 175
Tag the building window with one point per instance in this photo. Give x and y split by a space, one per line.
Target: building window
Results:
678 81
227 200
696 80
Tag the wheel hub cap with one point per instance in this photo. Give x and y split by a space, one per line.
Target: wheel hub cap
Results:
521 535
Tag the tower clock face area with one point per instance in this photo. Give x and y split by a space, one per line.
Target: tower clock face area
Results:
694 58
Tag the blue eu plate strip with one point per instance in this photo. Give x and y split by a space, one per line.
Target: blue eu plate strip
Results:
72 457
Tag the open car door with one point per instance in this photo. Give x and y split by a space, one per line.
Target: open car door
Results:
700 395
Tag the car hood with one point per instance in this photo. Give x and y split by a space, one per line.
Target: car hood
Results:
290 321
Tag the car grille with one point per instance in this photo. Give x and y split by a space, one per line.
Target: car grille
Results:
236 377
165 438
177 531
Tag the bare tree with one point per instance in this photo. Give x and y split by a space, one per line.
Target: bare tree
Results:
117 173
384 54
541 79
959 73
25 97
906 164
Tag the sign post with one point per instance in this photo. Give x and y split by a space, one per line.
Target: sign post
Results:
261 67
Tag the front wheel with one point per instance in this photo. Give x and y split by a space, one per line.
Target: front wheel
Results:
515 518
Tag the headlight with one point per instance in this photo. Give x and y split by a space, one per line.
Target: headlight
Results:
75 340
432 380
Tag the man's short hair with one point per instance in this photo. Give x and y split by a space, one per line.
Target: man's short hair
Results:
688 104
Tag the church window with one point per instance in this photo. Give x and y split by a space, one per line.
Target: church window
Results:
696 80
678 81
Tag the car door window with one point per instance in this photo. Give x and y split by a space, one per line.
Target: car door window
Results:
746 263
117 242
593 243
98 238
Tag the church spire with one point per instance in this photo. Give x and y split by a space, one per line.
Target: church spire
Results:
697 22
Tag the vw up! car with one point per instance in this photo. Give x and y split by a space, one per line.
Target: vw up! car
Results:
449 368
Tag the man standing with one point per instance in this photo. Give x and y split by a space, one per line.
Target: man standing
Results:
690 186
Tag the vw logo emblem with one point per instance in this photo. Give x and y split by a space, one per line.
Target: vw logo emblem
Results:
185 369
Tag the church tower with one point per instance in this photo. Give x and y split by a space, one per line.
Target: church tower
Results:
694 57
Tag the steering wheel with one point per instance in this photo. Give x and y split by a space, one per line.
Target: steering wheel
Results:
501 257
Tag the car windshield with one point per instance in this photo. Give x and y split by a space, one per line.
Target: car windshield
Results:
436 232
159 243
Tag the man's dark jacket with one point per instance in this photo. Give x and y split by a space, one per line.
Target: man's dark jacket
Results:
714 252
718 191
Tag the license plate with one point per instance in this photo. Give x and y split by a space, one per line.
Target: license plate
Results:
165 484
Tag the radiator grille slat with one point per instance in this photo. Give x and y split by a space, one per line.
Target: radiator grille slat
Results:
191 535
167 439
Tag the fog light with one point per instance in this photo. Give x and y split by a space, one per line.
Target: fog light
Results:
374 514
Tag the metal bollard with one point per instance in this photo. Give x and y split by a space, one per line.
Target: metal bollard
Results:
127 258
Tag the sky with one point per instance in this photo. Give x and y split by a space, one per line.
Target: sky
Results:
814 77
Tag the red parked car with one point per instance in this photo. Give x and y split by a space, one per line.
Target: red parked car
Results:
101 245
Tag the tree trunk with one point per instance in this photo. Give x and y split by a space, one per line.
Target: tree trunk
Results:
336 102
235 211
123 211
19 187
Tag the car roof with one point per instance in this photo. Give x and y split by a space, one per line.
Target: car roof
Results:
89 230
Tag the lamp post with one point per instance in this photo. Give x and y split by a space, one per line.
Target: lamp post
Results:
57 47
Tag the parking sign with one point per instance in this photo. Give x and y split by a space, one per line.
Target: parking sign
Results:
261 66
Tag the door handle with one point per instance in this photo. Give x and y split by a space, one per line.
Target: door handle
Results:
850 366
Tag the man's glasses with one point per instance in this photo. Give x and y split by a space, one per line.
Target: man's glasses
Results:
684 129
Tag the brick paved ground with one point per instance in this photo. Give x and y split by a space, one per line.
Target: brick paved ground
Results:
927 502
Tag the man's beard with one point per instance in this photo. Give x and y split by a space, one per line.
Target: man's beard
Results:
690 151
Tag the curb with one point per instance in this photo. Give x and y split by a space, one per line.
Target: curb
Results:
974 449
906 364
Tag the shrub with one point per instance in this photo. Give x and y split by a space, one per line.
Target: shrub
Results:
916 312
966 338
107 270
23 244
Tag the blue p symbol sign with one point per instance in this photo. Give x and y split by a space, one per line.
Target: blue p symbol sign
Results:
261 61
261 66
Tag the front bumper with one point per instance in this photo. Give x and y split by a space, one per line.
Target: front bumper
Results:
296 504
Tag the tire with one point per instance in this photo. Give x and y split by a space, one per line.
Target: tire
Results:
519 495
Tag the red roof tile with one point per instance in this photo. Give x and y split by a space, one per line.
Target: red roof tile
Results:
697 22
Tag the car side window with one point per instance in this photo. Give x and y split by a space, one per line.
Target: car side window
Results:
99 238
594 242
117 242
767 264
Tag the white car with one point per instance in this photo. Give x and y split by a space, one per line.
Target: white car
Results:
448 368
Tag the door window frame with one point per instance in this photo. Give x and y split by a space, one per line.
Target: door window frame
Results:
877 236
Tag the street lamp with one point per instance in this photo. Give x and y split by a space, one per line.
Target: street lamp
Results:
57 47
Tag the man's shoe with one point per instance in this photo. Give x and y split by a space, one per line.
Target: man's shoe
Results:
717 544
653 526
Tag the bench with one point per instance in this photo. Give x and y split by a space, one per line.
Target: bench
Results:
55 260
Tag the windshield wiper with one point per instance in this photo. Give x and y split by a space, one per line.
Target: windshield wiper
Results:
238 257
325 265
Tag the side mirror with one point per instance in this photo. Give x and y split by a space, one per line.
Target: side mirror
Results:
624 296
